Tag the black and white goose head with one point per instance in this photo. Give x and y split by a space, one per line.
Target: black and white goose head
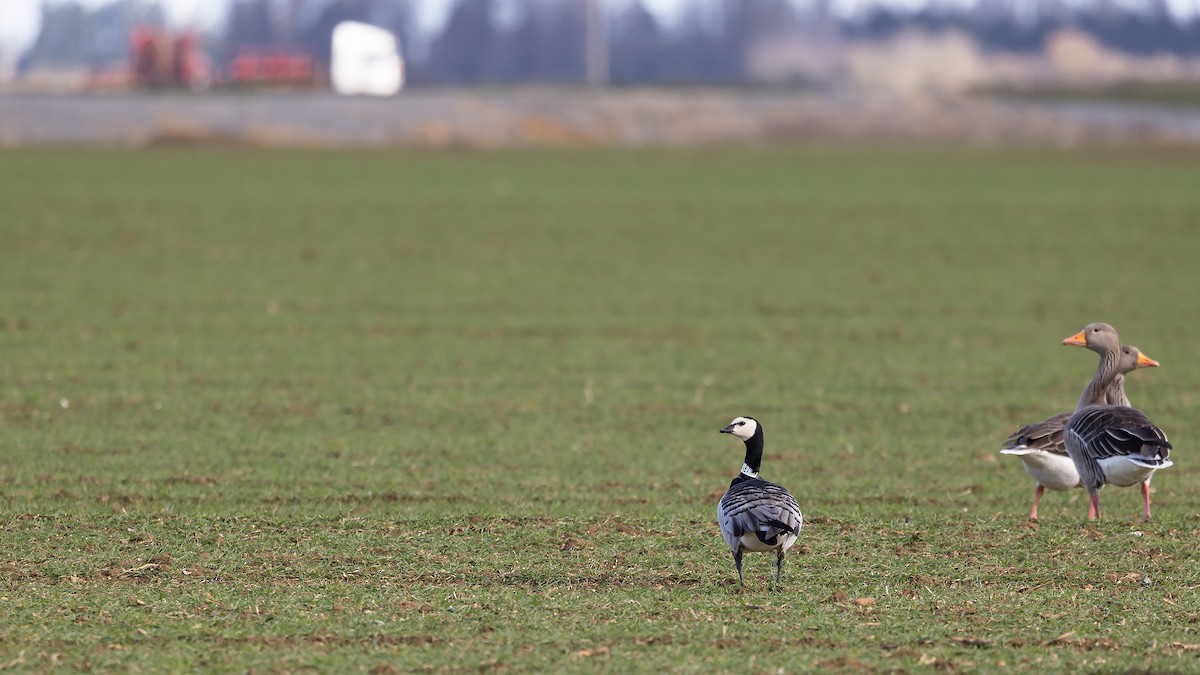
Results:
750 431
742 427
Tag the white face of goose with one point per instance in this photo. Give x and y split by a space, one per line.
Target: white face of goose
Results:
742 427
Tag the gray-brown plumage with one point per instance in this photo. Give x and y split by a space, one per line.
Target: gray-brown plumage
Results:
1040 445
1112 443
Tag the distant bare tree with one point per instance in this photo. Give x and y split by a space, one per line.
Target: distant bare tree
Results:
249 24
748 21
1009 25
1149 31
463 51
697 51
637 46
72 35
548 41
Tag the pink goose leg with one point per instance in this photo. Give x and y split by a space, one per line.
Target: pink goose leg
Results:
1146 498
1037 497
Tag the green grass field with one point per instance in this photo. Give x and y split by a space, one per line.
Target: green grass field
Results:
393 411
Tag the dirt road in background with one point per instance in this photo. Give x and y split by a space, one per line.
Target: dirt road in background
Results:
490 118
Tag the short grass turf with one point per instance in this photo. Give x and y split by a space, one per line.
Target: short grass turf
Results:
390 411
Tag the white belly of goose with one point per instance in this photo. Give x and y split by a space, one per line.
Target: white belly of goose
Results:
1051 470
1126 471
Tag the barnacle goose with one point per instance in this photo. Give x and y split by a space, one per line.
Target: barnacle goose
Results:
755 514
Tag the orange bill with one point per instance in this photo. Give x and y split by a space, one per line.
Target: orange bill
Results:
1146 362
1078 340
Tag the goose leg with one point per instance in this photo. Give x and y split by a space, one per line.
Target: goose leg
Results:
737 560
1146 498
1094 506
1037 497
779 566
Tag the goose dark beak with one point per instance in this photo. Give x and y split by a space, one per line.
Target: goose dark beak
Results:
727 429
1076 340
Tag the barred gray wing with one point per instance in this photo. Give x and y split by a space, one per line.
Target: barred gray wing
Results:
762 507
1119 431
1101 432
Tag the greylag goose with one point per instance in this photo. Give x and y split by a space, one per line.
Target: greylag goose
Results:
755 514
1040 445
1111 443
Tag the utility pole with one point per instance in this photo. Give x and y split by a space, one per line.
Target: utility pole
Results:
596 43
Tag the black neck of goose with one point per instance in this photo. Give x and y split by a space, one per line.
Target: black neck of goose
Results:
754 450
1106 372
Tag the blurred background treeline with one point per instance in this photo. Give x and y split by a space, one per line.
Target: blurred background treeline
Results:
808 43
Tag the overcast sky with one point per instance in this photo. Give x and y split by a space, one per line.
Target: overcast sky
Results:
19 19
